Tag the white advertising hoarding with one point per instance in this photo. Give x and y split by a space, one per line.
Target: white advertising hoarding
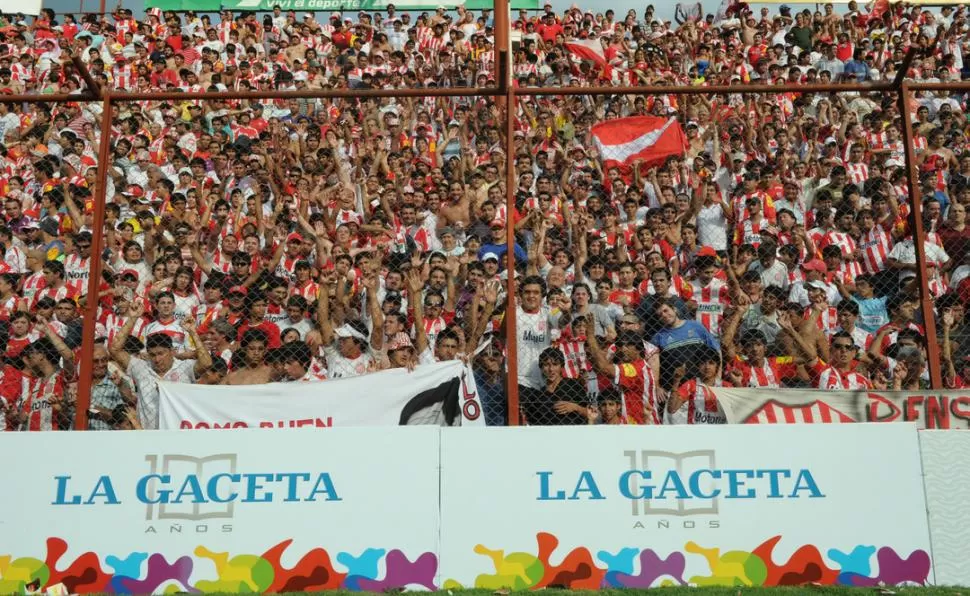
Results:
946 473
638 507
228 511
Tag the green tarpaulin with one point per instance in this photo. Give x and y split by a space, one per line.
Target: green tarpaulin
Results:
325 5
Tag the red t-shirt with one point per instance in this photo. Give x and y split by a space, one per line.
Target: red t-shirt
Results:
270 328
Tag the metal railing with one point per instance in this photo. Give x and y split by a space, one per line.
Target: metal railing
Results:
506 95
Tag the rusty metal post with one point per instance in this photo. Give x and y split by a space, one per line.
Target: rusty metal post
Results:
919 235
94 90
511 346
503 69
86 380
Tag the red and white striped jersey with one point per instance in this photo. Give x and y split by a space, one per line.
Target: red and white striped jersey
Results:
832 379
9 306
77 270
57 294
828 320
857 172
749 232
113 324
875 245
841 239
432 45
891 337
577 363
770 373
36 396
847 272
877 140
206 313
641 403
700 405
21 73
711 302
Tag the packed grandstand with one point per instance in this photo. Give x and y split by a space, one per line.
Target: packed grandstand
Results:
290 240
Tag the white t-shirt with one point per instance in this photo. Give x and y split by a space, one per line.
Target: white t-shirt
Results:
533 335
905 252
146 381
342 367
712 227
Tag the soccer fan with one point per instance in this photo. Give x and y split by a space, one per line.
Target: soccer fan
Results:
304 219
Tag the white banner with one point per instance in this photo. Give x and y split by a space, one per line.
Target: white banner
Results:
441 393
946 472
12 7
928 409
248 511
719 505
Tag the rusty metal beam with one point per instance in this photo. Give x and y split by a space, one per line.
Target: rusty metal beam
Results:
915 200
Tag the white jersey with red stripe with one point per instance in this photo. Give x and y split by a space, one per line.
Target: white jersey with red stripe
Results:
310 290
186 305
432 327
16 260
206 313
711 301
749 232
700 405
170 328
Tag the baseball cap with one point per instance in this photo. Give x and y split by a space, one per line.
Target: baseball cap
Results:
399 341
238 290
50 225
489 256
814 265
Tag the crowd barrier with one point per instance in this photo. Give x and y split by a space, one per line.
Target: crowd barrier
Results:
436 508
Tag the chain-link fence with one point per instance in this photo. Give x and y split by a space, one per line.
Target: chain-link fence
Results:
598 255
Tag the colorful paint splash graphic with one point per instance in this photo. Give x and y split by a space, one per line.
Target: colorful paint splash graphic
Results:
620 569
629 567
143 573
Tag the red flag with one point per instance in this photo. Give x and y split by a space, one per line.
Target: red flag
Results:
588 49
648 138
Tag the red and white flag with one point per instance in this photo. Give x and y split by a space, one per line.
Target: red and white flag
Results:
651 139
587 49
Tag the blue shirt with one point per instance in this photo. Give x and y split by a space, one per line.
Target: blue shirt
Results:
492 396
691 333
872 313
500 250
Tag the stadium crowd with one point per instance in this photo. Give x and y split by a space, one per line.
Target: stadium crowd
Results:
310 239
